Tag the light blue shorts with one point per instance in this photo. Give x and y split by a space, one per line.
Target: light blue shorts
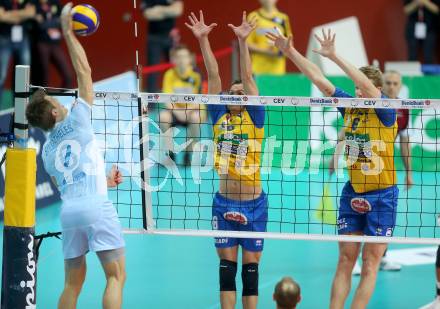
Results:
90 227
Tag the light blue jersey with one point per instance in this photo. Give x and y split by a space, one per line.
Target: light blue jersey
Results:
72 157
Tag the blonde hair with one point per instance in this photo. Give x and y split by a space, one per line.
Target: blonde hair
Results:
374 74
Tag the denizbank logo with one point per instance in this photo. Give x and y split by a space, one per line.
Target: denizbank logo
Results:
230 99
413 102
321 101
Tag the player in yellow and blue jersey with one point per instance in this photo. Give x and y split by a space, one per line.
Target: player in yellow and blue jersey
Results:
267 58
183 78
240 204
369 199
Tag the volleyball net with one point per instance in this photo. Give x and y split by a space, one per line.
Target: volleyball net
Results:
166 191
166 195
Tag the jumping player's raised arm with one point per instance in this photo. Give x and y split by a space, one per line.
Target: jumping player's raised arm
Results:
308 68
201 32
328 50
242 32
78 56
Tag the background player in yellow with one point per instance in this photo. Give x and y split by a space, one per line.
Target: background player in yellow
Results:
183 78
266 58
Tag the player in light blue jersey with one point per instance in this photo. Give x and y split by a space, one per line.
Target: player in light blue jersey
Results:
72 158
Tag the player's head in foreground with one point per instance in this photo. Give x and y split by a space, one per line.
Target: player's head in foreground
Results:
392 81
44 111
287 294
236 88
182 58
374 75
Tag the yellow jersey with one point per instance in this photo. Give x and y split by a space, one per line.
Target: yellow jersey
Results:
190 82
238 140
369 150
264 64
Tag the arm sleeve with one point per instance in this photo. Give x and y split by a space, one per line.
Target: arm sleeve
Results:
81 113
257 114
339 93
387 116
216 111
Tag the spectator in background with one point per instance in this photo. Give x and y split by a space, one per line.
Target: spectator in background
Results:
183 78
15 24
161 16
266 58
422 27
287 294
48 44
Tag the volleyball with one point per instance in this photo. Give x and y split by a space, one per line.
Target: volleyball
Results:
85 19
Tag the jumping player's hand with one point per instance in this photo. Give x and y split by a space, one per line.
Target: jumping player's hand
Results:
114 177
66 18
280 41
246 27
327 44
198 26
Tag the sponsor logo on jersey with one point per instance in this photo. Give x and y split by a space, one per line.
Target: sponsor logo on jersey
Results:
236 217
360 205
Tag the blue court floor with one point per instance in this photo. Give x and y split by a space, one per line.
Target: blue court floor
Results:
182 272
167 272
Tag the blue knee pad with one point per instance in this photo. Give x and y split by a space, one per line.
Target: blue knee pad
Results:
227 272
249 276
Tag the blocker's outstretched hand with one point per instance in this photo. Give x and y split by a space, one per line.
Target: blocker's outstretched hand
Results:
198 26
280 41
246 27
327 42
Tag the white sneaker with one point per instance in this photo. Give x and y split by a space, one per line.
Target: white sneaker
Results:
388 265
434 305
357 269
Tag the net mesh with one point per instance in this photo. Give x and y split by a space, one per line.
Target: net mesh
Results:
298 144
115 123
